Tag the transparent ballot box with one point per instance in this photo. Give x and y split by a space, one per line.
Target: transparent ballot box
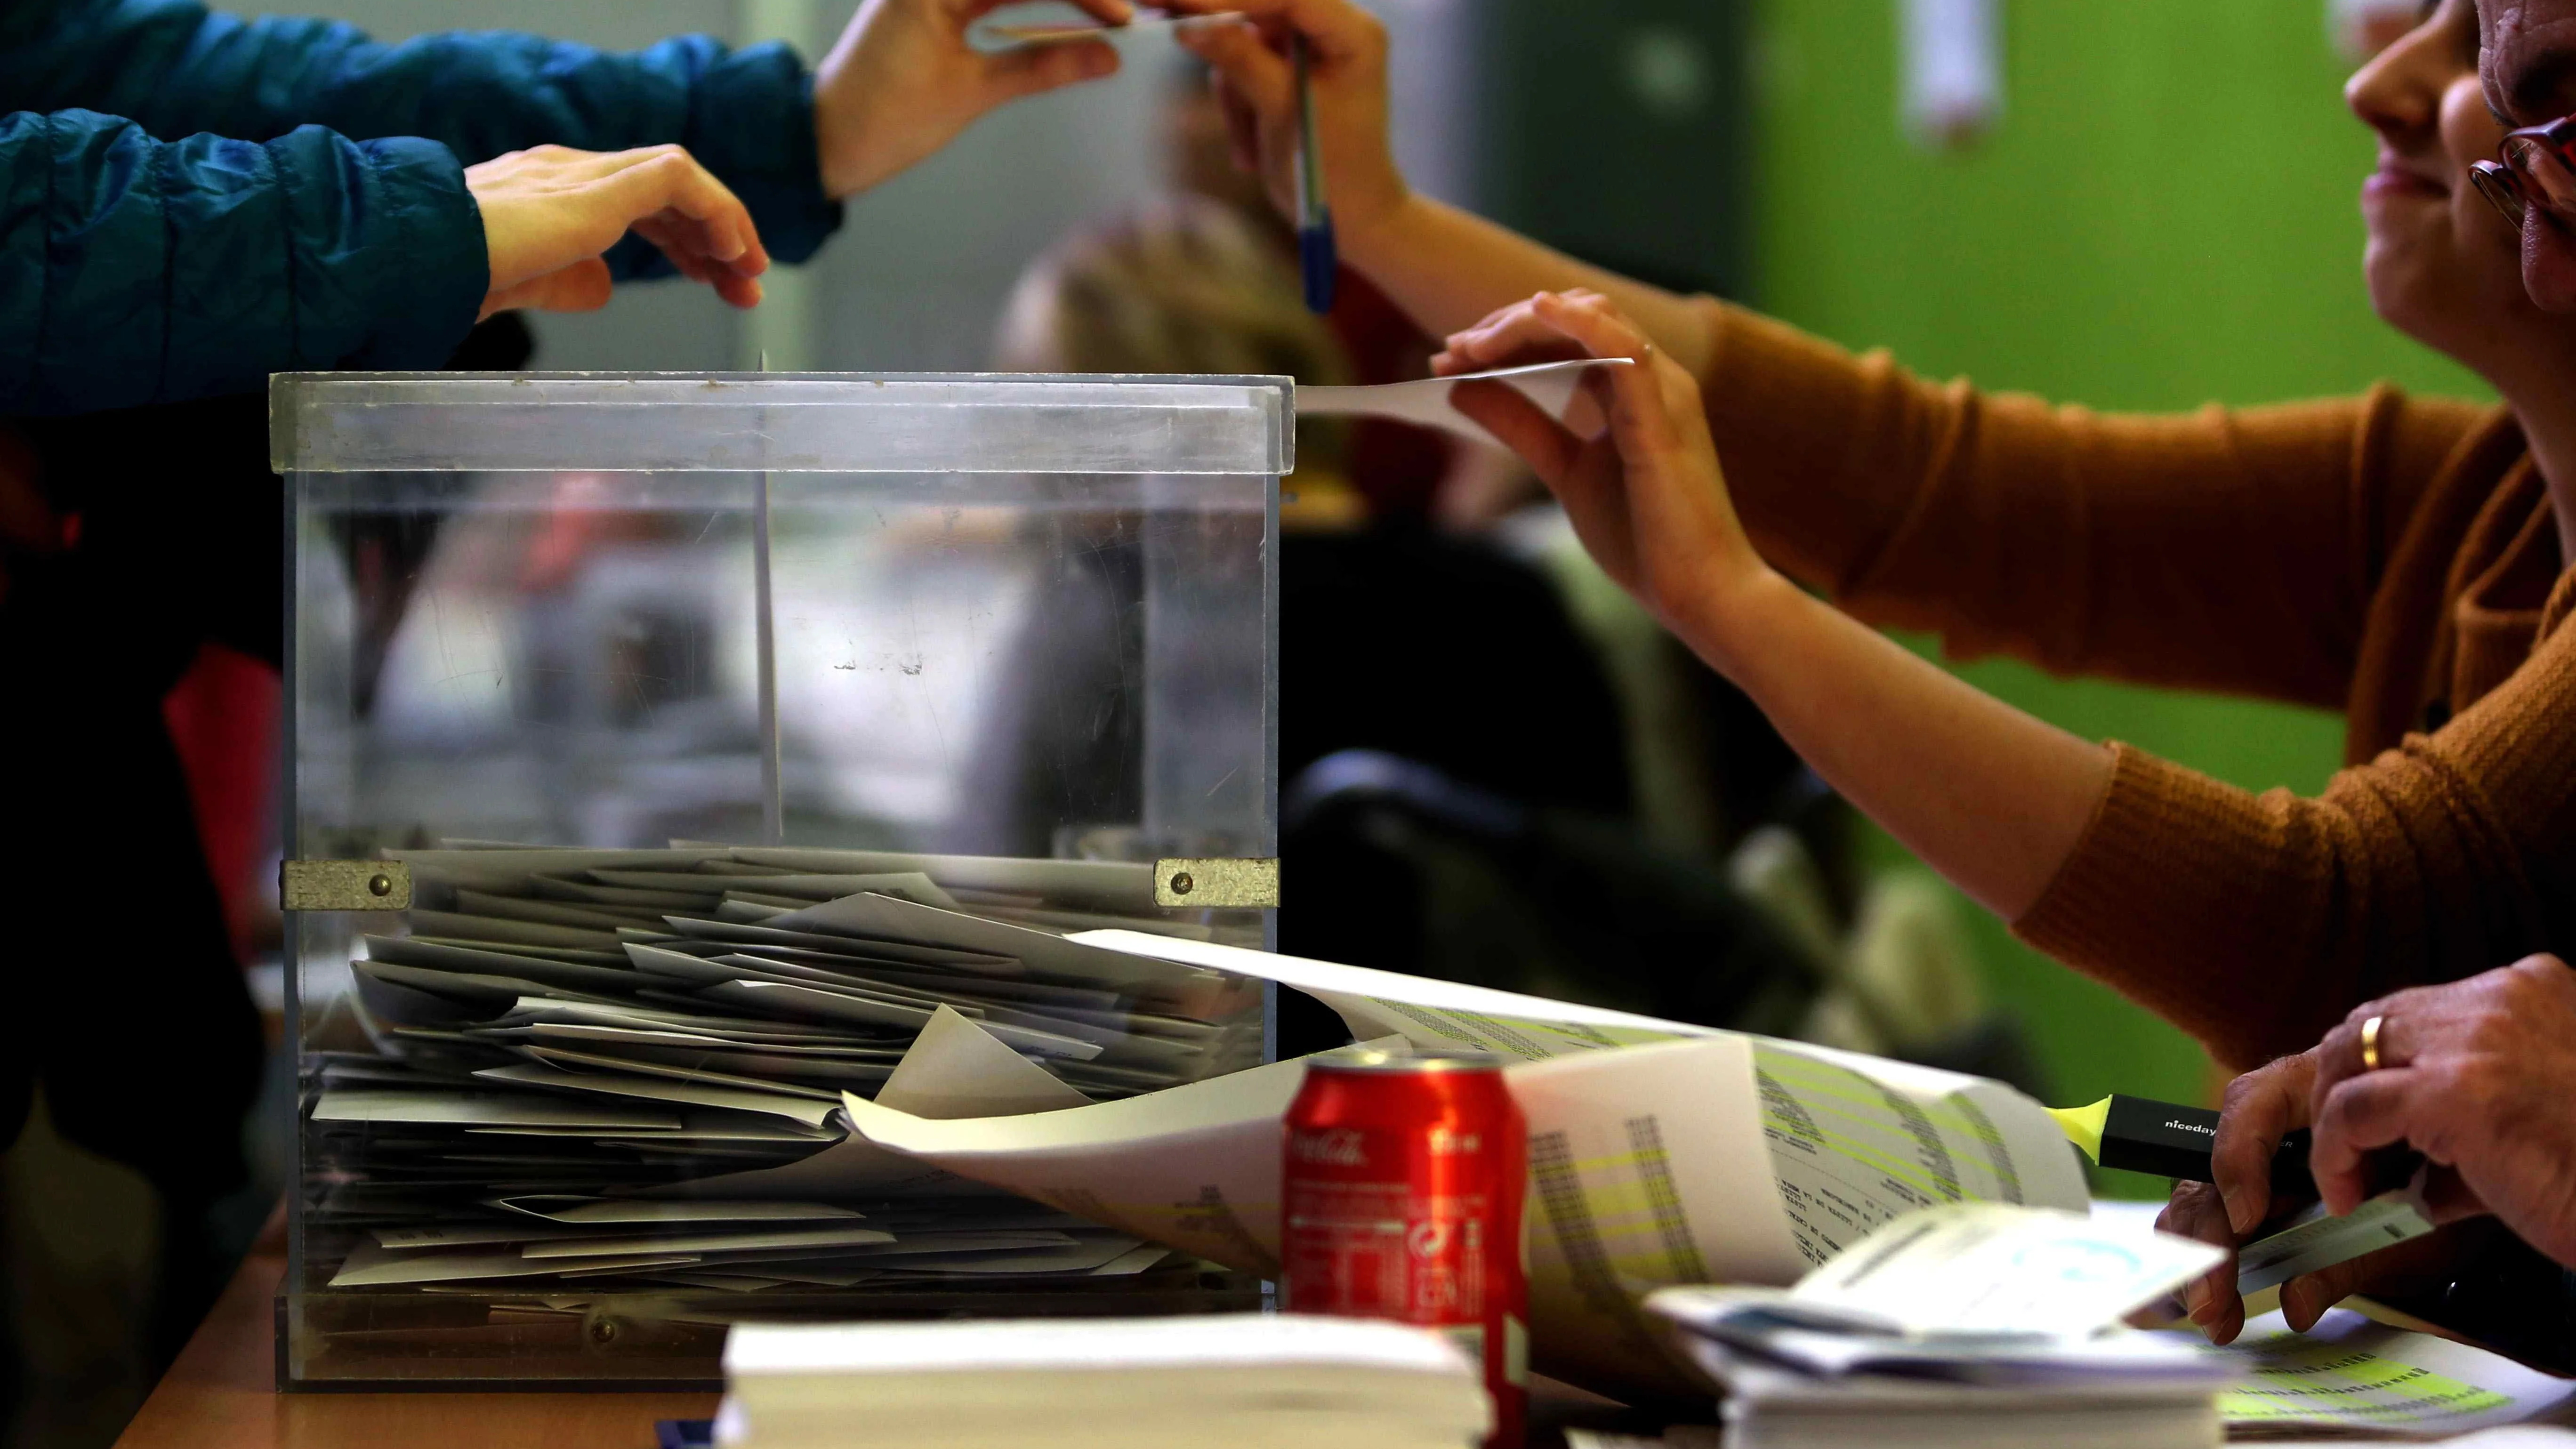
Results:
671 755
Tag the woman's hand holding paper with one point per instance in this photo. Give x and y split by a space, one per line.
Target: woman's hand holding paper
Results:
1647 495
903 82
1991 797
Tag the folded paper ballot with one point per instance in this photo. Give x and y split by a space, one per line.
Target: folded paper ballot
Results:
622 1070
1425 400
1286 1380
1061 34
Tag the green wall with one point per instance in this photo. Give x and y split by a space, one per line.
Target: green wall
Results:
2165 216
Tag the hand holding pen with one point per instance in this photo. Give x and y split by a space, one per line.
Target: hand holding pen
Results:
1304 87
1316 255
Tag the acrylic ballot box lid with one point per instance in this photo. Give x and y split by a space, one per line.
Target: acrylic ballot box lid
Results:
351 422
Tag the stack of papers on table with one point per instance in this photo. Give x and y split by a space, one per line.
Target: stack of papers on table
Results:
1969 1325
626 1068
1245 1381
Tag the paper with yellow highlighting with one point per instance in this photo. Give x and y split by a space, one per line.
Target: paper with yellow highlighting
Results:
2352 1375
1660 1153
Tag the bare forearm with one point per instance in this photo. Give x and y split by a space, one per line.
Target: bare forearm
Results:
1448 268
1989 796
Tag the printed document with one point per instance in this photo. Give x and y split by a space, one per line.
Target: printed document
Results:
1638 1158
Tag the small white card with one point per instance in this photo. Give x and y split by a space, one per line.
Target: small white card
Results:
2318 1241
1988 1268
1969 1270
1425 400
1068 32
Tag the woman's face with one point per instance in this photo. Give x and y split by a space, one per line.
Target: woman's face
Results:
2443 266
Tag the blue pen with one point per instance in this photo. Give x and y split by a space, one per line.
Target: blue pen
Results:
1315 252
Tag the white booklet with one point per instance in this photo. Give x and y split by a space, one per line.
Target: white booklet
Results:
1969 1293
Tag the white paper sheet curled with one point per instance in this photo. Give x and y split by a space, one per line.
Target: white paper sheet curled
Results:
1643 1161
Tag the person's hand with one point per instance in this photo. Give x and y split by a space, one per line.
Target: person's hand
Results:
550 212
1646 497
2260 1108
1346 75
903 82
2478 1076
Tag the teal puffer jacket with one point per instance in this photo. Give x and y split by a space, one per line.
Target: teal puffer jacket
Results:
190 202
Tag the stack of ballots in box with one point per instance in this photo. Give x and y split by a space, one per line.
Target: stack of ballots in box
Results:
622 1068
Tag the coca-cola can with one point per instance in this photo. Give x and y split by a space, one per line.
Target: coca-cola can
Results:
1401 1198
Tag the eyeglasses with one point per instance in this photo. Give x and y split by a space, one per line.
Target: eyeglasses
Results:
2538 162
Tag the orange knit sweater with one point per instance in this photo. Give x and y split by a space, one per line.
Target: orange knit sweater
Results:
2389 557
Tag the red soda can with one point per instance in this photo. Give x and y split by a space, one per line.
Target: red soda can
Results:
1401 1198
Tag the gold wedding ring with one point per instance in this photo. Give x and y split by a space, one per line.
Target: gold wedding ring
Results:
2370 1043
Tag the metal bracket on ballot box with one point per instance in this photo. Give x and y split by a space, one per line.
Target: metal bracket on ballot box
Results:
343 885
1217 884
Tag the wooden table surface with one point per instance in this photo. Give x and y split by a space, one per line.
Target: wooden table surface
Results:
222 1394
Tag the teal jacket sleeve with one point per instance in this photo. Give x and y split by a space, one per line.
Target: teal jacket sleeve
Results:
177 68
135 270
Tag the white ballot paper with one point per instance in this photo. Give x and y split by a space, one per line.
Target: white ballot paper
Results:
1425 400
2318 1240
1644 1163
955 1069
1968 1292
998 35
1989 1269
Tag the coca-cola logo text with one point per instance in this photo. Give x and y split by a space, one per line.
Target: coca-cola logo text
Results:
1333 1147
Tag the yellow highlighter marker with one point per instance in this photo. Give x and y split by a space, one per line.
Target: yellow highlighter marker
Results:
2140 1134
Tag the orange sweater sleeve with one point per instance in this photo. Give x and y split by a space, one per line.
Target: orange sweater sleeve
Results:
2256 921
2228 550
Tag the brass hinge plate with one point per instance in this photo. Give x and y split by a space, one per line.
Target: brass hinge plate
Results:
343 885
1217 884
